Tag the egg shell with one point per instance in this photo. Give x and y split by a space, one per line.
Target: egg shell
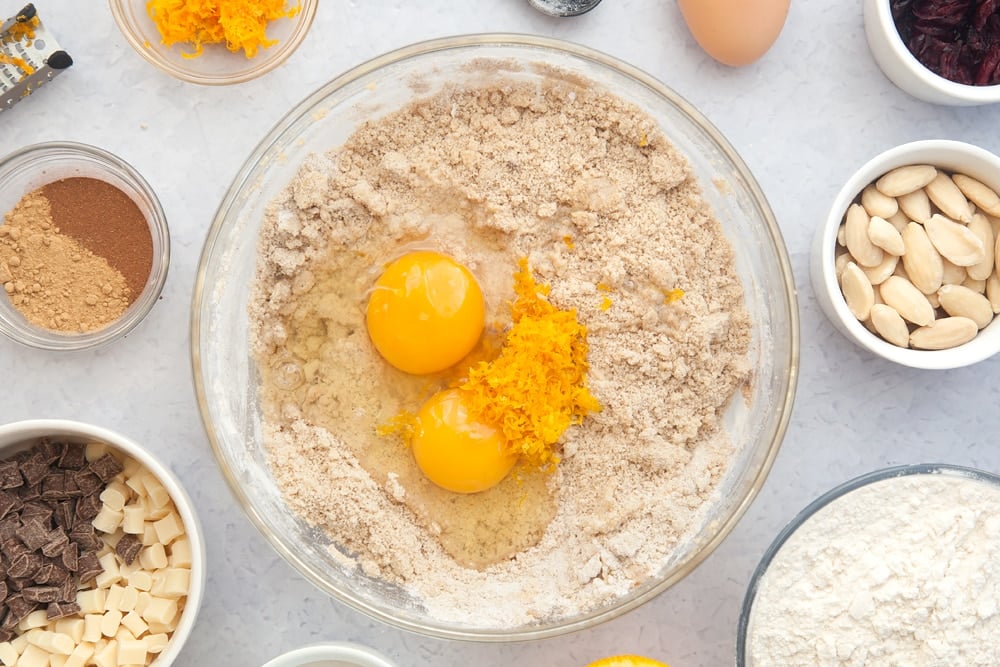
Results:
735 32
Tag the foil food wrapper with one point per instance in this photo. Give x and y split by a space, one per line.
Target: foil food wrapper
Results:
30 56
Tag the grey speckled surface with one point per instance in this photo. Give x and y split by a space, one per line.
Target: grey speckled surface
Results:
803 118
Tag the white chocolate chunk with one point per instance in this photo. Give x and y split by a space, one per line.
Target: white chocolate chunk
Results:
131 652
153 557
107 520
33 656
133 621
71 626
131 467
51 642
20 643
92 627
176 582
111 574
160 610
56 660
115 496
129 598
123 634
107 656
91 601
36 619
114 598
180 552
156 643
134 520
110 622
148 534
95 450
8 655
80 655
143 599
157 493
140 580
170 527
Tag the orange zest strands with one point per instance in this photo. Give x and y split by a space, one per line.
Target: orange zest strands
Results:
240 24
22 30
537 387
606 304
673 295
20 63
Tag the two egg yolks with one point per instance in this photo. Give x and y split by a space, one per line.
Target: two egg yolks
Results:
425 314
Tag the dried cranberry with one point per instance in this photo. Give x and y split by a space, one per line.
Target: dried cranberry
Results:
956 39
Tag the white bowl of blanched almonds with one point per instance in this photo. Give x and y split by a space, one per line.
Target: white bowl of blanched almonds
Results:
906 263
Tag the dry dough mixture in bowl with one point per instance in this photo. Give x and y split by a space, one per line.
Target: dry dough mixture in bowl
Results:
634 212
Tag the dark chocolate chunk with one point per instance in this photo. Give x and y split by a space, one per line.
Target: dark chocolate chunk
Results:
13 547
20 607
64 514
67 590
106 467
51 451
87 482
33 492
128 548
3 590
89 566
36 509
17 583
10 475
71 556
74 457
50 573
10 620
54 486
33 533
34 469
60 609
56 544
40 593
6 635
72 489
8 502
23 566
8 528
83 534
87 508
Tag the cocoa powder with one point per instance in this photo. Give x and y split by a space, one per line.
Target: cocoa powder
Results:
105 221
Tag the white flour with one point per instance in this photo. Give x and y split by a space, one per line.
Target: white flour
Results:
904 571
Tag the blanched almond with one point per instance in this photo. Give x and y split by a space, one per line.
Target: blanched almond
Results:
983 230
954 241
981 195
921 260
840 263
890 325
861 247
877 274
884 235
842 235
960 301
932 299
977 286
944 333
899 221
907 300
857 291
947 197
876 203
953 273
903 180
993 292
915 205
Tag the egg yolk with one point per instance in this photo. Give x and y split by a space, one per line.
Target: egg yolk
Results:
425 313
456 452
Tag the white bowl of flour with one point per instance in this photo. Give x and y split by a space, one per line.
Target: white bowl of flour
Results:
896 567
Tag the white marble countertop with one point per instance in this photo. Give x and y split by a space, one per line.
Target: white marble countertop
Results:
804 117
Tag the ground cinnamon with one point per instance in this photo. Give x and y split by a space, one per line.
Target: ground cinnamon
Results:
105 221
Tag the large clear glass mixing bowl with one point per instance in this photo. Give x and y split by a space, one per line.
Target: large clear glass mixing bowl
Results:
226 378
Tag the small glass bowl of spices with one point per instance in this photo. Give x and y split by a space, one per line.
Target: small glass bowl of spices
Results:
192 42
84 246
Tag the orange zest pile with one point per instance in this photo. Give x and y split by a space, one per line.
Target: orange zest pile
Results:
240 24
537 387
627 661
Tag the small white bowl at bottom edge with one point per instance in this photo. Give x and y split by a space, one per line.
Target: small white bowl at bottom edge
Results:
952 156
17 435
331 654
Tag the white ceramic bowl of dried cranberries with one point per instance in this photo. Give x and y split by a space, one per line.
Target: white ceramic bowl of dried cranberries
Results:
905 263
903 68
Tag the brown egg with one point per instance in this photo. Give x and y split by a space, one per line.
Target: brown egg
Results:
735 32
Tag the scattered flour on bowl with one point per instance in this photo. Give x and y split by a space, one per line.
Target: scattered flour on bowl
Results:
586 187
900 572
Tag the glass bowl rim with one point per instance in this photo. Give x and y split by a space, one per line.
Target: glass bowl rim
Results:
837 492
280 54
773 234
43 339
